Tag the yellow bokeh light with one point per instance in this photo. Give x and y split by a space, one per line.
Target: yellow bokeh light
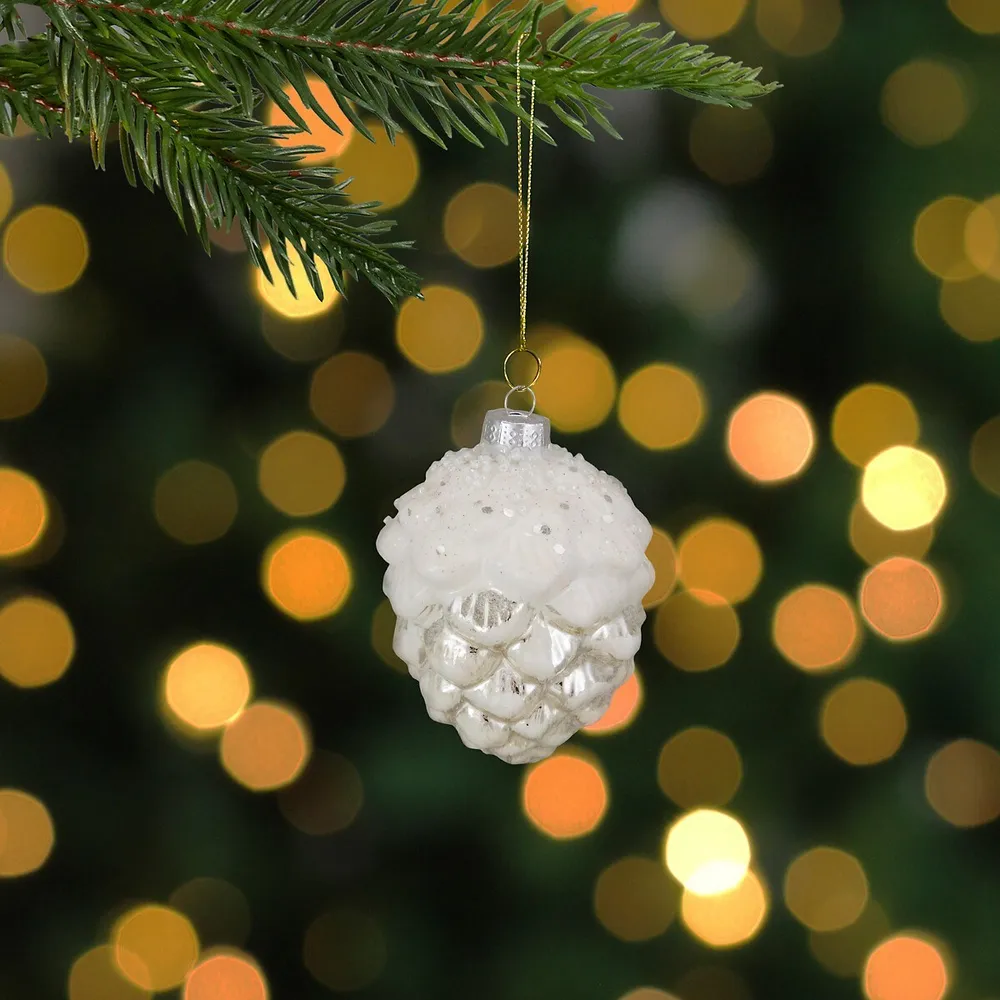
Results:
326 798
704 19
972 307
95 976
729 145
195 502
311 338
729 919
722 557
924 102
624 707
227 975
647 993
962 783
870 419
634 899
23 376
480 224
605 8
276 295
36 642
24 513
206 686
903 488
577 388
470 410
441 332
901 598
863 721
154 946
306 575
266 747
981 16
843 952
301 473
45 248
906 966
352 394
699 767
319 132
982 237
218 910
826 889
6 193
874 542
382 171
799 27
345 950
696 631
939 238
708 852
661 553
661 406
565 796
815 628
28 835
770 437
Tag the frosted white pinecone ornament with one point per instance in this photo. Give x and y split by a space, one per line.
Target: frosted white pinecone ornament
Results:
517 572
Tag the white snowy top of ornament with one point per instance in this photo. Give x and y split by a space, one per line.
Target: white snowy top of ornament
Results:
535 522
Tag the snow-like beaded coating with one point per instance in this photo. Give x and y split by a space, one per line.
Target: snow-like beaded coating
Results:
517 577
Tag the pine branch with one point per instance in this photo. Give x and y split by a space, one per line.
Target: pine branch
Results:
28 89
10 20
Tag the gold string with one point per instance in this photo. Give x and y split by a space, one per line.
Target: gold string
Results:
524 203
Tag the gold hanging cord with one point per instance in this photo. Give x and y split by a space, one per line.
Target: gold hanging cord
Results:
523 239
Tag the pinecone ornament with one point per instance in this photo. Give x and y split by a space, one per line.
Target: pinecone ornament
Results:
517 572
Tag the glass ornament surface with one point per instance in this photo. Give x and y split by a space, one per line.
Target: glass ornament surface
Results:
517 572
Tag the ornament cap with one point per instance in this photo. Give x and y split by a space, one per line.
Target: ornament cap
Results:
516 429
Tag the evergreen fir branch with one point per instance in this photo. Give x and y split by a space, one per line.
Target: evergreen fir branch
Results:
29 89
10 20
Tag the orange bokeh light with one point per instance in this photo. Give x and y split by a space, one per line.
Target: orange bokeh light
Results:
624 706
226 976
306 574
23 512
661 553
770 437
901 598
815 627
320 133
565 796
266 747
905 967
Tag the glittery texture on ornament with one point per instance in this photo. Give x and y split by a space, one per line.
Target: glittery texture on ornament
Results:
517 572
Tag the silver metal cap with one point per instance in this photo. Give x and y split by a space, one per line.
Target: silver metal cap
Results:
516 429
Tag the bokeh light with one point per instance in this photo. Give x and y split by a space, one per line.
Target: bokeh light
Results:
382 171
662 554
36 642
647 993
306 575
982 237
625 705
155 946
27 834
441 332
470 410
195 502
310 338
565 796
318 133
696 631
704 19
301 473
731 146
906 966
799 27
480 223
6 193
843 952
352 394
326 797
279 298
23 377
981 16
815 628
578 386
924 102
206 685
218 910
972 308
730 919
604 8
722 557
863 721
24 513
661 406
962 783
872 418
826 889
95 976
874 542
226 976
770 437
266 747
635 900
901 598
345 950
903 488
708 852
45 248
939 238
382 635
699 767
